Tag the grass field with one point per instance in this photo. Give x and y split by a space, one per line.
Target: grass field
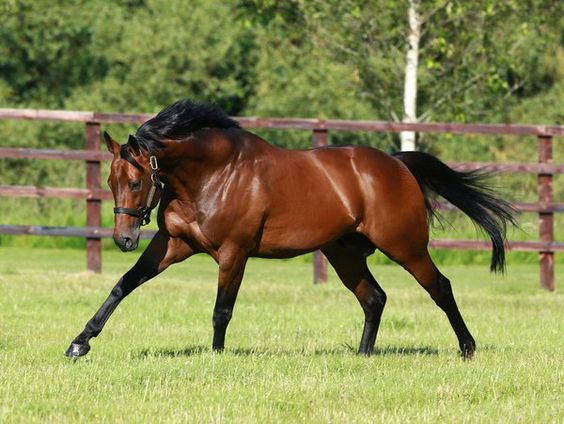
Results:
291 346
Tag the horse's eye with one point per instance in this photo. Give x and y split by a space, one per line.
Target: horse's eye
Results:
135 185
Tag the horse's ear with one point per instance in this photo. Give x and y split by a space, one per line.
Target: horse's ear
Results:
133 145
111 144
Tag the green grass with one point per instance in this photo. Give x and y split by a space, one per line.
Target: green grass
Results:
291 346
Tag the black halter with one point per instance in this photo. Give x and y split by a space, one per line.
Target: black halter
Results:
144 213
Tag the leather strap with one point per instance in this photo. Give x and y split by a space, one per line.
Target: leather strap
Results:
138 213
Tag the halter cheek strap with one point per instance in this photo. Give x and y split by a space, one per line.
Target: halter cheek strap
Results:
144 213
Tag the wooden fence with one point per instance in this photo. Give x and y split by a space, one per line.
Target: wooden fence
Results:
94 194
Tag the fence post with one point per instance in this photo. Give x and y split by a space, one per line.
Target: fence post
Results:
93 206
546 217
319 259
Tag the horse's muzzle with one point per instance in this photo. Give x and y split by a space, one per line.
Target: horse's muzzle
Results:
126 243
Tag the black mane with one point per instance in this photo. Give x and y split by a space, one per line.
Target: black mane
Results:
179 120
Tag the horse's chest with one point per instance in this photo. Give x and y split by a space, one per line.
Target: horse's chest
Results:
182 225
223 215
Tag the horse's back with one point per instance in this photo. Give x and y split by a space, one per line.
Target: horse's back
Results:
385 187
320 194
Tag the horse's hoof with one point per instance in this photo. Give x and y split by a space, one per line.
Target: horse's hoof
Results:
76 350
468 350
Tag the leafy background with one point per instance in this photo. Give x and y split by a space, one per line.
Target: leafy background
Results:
481 61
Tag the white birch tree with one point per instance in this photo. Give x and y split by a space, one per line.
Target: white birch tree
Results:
410 82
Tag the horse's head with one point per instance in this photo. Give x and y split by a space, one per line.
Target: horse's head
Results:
136 187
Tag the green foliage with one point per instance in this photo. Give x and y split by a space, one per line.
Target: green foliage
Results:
313 58
169 51
47 50
479 61
477 58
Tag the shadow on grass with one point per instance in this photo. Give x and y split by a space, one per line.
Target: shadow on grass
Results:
201 350
345 350
173 353
490 347
405 351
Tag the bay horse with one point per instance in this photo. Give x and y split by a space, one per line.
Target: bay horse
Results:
228 193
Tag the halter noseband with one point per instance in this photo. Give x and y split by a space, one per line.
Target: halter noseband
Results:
144 213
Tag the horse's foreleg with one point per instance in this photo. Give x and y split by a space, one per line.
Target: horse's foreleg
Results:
232 263
351 267
161 252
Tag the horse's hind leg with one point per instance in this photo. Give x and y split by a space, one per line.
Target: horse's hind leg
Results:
350 265
421 266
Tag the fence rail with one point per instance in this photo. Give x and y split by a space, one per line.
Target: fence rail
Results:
94 194
295 123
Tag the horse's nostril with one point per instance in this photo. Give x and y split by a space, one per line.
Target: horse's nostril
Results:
127 242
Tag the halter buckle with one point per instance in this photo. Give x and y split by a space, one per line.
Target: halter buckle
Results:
153 163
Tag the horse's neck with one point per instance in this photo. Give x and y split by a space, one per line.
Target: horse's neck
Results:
187 165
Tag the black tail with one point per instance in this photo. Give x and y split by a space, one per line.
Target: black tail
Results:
469 192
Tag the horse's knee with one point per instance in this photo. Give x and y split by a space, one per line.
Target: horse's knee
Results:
379 300
126 285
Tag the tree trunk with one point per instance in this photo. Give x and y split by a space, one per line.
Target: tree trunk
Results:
410 87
